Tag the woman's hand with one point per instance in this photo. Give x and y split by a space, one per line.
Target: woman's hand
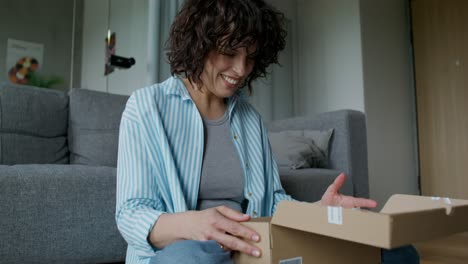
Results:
222 224
334 198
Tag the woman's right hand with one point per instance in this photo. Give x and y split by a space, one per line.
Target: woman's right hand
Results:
221 224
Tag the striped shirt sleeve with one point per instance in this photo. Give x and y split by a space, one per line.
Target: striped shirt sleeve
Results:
139 202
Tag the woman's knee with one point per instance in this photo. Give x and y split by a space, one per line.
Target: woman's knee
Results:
191 251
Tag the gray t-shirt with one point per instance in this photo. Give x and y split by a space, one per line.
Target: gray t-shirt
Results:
222 178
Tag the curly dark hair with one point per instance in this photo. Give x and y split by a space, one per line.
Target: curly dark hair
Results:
205 25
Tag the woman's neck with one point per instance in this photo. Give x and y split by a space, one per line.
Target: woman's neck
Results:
208 104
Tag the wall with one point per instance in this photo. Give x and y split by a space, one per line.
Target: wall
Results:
48 22
77 48
356 54
95 25
273 96
330 61
129 19
389 98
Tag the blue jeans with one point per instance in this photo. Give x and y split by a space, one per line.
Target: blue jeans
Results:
403 255
209 252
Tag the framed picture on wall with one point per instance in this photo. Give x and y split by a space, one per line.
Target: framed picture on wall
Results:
22 60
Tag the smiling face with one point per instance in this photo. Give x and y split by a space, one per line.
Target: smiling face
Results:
226 70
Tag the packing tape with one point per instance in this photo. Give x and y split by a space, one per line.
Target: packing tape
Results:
335 215
297 260
447 200
444 199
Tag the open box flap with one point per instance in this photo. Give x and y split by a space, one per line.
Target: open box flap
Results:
420 218
416 220
400 203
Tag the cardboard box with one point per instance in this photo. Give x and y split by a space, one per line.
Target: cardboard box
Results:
311 233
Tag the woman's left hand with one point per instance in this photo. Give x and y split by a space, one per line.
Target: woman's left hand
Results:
332 196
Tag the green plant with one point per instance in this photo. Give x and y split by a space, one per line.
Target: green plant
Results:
38 80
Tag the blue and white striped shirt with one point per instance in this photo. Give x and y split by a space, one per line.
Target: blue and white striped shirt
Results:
160 160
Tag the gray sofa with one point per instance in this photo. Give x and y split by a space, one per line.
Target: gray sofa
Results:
347 153
57 179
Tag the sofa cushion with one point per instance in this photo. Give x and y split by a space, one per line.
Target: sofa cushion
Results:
33 125
94 127
59 214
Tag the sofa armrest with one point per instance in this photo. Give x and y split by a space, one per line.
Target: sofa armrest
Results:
348 145
59 214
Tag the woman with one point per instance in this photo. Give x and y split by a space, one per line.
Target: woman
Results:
194 159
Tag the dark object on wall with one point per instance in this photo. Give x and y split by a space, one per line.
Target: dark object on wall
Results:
121 62
113 61
110 50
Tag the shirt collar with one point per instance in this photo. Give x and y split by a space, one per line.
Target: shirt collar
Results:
179 89
239 95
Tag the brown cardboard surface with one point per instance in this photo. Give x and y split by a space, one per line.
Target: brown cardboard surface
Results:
323 234
262 227
364 227
313 248
419 219
400 203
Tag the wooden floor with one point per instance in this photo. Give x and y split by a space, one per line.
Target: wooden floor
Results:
451 250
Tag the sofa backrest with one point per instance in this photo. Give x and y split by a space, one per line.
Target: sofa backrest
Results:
33 125
94 127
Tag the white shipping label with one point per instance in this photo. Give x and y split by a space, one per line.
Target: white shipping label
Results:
335 215
297 260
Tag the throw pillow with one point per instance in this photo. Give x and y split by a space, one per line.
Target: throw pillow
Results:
33 125
298 149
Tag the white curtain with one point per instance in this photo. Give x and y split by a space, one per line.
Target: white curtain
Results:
161 13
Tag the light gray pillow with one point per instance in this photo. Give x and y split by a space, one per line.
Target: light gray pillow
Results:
298 149
33 125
